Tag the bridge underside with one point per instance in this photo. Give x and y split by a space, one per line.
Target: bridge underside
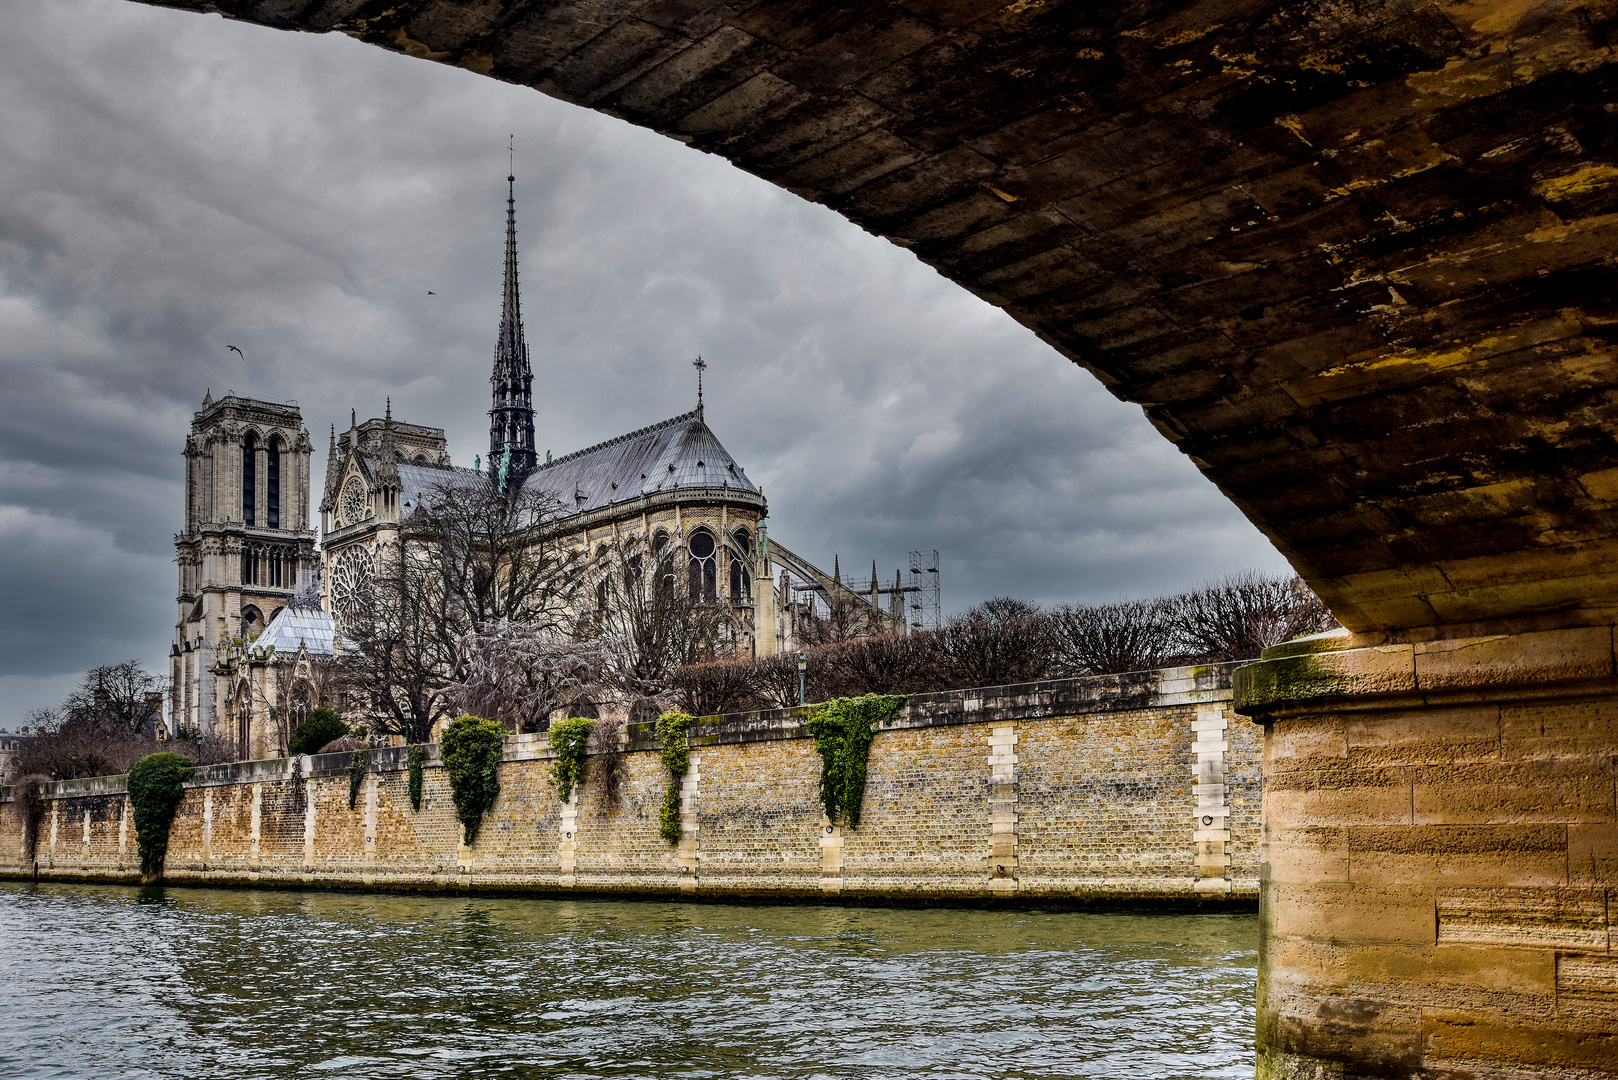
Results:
1353 258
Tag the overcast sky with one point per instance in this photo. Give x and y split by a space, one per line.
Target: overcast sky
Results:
171 184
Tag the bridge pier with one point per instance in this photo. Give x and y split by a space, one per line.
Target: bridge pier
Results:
1440 872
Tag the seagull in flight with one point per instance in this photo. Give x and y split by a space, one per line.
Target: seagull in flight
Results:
237 351
431 293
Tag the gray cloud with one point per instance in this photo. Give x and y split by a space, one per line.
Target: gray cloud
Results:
173 184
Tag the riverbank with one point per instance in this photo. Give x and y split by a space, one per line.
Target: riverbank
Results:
1139 790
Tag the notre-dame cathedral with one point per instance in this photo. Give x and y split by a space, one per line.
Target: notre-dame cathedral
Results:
259 602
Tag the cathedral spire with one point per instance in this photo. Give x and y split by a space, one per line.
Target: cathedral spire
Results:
511 416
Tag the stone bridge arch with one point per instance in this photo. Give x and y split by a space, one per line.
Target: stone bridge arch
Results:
1355 260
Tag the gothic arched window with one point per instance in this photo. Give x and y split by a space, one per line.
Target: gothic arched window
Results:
252 623
249 476
704 573
272 493
741 582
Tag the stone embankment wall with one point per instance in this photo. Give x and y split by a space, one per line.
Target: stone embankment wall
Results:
1132 788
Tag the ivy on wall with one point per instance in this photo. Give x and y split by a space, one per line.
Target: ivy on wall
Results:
843 729
570 739
471 752
356 776
156 783
417 758
672 751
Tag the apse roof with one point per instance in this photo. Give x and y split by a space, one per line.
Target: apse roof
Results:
679 453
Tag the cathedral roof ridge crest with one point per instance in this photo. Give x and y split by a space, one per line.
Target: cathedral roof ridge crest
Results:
694 414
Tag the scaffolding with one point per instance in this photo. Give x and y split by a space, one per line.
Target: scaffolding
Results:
925 593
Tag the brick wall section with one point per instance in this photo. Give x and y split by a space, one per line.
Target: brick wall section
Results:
1071 790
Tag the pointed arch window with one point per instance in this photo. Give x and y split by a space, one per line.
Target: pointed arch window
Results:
704 571
741 582
249 478
272 480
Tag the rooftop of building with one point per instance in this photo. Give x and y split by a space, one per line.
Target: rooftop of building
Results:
679 453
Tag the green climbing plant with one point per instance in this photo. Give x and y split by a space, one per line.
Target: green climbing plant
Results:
471 753
156 783
672 729
356 776
418 758
570 739
843 729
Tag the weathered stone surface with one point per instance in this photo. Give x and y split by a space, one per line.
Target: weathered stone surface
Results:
1354 259
1440 865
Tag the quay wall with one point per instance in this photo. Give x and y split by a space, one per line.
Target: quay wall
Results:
1140 788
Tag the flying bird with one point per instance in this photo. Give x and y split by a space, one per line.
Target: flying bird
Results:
237 351
431 293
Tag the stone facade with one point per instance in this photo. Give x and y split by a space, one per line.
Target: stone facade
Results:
1071 791
1440 856
246 548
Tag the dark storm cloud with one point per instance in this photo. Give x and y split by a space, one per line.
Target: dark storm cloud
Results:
172 184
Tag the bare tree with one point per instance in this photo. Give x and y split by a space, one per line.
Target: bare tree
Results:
502 555
520 673
294 688
717 686
402 645
651 623
1105 639
471 556
775 679
1240 616
883 664
997 642
120 695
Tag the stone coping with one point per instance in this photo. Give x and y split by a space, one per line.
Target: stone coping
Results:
1339 667
1194 685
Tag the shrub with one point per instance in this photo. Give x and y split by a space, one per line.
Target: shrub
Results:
156 783
322 726
672 729
356 776
570 739
843 730
471 753
28 801
418 758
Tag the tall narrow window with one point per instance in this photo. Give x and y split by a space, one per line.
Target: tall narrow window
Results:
249 475
704 578
741 582
272 496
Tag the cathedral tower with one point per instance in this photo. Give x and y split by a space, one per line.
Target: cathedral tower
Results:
246 548
511 417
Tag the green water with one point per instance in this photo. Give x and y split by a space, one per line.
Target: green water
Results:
101 981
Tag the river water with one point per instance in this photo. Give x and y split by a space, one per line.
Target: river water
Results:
102 981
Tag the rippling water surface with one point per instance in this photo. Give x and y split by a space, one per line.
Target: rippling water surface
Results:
107 981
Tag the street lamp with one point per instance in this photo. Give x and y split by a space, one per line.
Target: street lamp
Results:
803 666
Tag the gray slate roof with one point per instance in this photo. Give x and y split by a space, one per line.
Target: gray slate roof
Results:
678 453
417 479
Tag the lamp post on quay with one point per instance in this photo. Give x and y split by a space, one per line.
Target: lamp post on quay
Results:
803 666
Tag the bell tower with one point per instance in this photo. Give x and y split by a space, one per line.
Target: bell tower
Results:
246 548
